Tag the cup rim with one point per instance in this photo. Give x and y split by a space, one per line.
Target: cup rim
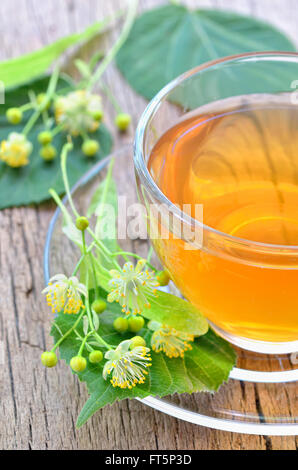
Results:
145 176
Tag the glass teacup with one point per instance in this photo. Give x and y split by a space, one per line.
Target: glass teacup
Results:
217 171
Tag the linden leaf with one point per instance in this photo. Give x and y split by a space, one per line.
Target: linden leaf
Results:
167 41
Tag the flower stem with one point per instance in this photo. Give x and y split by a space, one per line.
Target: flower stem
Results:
82 258
84 342
131 14
99 338
26 106
94 275
57 129
95 334
107 91
65 149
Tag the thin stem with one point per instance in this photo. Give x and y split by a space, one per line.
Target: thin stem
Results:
83 343
104 193
95 334
88 346
84 136
26 106
99 338
59 203
57 129
82 258
64 154
133 255
150 252
50 91
106 252
68 332
131 14
94 275
66 148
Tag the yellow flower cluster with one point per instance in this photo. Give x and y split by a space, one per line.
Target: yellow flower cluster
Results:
15 150
79 112
172 342
64 293
131 286
128 367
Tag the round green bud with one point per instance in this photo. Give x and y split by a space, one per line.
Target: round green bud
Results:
99 306
121 324
163 278
78 363
14 115
95 357
43 99
90 147
48 152
135 324
82 223
122 121
137 341
97 115
44 137
49 359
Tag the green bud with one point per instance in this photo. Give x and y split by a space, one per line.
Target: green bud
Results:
44 137
90 147
14 115
95 357
82 223
137 341
99 306
135 324
48 152
78 363
120 324
122 121
49 359
163 278
43 99
97 115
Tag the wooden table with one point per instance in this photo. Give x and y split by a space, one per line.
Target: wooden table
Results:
38 407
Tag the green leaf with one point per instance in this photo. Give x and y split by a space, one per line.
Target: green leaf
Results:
20 69
204 368
30 184
170 40
177 313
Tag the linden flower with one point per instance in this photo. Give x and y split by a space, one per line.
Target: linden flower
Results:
76 111
127 367
172 342
15 150
131 285
64 294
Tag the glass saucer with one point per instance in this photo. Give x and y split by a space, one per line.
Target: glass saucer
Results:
261 395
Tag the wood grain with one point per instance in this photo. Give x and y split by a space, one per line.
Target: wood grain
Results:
38 407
